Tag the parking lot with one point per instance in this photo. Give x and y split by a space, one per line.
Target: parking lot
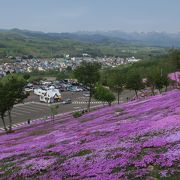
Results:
33 109
74 96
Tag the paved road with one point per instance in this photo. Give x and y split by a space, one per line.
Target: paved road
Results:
33 109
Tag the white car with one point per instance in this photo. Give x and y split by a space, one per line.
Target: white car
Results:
86 94
28 89
79 89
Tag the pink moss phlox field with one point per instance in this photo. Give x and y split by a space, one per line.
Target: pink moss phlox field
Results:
135 140
175 76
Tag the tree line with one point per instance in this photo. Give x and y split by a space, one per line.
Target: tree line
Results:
152 74
11 93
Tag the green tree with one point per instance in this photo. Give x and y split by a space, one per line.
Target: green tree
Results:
3 107
159 83
53 111
157 77
175 59
104 94
134 81
116 81
166 81
61 75
161 80
151 75
104 76
35 79
88 73
66 74
12 92
26 76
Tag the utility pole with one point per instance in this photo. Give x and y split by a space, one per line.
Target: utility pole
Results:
161 72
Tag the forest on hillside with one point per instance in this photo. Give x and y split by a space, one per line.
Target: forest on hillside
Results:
18 42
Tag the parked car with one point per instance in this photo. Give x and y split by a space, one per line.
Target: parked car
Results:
86 94
62 89
67 101
28 89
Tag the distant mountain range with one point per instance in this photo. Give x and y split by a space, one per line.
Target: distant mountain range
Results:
161 39
83 37
17 42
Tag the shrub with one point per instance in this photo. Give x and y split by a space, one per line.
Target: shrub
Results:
103 94
38 132
77 114
83 152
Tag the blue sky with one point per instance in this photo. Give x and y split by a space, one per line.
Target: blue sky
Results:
91 15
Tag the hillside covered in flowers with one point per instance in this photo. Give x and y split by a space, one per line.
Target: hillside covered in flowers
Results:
135 140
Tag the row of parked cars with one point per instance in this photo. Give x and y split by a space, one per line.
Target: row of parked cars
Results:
63 86
72 86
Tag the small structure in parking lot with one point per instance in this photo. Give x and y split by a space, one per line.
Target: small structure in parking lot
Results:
50 95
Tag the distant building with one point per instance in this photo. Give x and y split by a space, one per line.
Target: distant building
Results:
132 60
85 55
